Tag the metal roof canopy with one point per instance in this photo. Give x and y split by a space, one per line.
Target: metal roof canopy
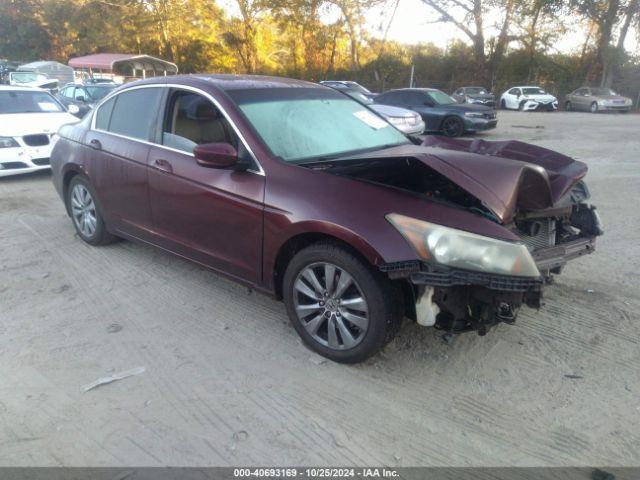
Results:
59 71
124 63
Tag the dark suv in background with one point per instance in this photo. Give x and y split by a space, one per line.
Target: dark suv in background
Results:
440 112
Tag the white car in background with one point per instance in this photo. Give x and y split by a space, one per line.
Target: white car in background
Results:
528 98
33 79
29 120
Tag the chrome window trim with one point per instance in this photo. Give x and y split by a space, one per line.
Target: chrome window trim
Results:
259 171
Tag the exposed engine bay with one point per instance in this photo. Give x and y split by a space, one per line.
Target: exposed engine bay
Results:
550 215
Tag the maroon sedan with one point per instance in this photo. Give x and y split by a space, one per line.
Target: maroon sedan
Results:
300 192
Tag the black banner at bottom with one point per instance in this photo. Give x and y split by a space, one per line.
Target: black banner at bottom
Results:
286 473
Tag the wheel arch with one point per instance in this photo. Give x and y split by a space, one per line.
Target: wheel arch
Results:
337 236
67 176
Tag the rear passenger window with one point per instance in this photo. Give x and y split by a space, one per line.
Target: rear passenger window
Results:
103 115
134 113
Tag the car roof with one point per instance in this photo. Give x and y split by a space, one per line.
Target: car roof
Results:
227 82
238 82
413 90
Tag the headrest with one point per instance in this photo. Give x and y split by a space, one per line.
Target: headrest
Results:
205 111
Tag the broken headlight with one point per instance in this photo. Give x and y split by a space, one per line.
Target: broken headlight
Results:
460 249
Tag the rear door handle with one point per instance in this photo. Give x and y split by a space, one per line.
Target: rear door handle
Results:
163 165
95 143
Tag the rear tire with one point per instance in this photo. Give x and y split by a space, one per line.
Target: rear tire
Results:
86 213
568 107
341 307
503 104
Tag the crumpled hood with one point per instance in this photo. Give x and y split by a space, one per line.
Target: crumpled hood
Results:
503 175
19 124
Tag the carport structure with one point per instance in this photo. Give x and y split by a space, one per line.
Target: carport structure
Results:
128 66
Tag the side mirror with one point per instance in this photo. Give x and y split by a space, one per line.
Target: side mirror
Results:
80 98
518 94
216 155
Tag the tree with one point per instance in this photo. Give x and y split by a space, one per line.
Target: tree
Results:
22 33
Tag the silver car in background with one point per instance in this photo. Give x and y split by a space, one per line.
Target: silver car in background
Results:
407 121
597 99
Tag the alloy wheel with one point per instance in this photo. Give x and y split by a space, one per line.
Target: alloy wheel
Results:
330 306
83 210
451 127
594 107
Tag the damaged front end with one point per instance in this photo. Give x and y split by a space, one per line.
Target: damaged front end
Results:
466 281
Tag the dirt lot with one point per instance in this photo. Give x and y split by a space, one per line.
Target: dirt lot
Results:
227 382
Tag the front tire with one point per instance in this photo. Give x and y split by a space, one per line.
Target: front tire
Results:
594 107
341 307
85 213
452 126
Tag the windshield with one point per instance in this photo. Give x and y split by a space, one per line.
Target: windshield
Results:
28 102
533 91
98 93
26 77
311 124
476 91
602 92
440 98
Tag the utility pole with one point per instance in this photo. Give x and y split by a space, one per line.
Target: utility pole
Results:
411 79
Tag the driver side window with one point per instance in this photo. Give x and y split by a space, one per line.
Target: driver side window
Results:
191 120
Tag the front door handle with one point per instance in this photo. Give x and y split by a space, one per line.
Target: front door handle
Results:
95 144
163 165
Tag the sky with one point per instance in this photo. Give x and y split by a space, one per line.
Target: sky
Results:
413 23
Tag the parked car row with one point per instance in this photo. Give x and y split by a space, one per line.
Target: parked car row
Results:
530 98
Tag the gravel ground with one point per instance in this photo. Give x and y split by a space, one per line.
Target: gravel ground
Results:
227 382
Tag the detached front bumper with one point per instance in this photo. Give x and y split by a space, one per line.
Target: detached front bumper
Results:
463 300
